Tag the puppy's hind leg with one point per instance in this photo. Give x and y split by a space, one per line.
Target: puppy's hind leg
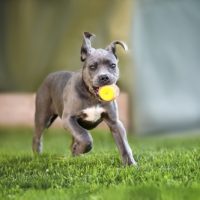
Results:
39 129
37 138
40 124
43 119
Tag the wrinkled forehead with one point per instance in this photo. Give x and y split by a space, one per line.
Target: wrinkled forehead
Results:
98 55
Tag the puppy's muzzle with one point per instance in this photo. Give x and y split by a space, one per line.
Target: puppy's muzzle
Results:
104 80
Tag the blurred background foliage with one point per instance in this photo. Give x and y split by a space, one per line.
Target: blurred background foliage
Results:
41 36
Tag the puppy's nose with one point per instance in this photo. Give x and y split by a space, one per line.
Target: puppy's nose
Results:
104 79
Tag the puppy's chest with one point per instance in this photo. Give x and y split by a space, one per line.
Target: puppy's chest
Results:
93 114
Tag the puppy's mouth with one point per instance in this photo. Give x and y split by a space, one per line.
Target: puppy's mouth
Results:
96 90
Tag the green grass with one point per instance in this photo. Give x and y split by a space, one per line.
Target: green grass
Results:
168 168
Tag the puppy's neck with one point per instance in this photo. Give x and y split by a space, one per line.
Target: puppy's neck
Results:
87 88
83 90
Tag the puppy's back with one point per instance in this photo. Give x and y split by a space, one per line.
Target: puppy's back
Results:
51 90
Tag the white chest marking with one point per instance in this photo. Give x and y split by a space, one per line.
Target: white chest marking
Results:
93 113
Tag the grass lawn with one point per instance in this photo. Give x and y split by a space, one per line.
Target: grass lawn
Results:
168 168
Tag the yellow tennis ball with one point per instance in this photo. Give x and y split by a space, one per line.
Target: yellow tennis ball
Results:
108 92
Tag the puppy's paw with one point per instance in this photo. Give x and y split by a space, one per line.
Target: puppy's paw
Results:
129 161
74 149
81 147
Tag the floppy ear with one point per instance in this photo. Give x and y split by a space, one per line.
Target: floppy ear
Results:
112 47
86 46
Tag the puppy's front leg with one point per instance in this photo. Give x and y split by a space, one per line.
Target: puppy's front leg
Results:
82 138
119 134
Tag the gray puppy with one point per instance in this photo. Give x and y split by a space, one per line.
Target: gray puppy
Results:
74 98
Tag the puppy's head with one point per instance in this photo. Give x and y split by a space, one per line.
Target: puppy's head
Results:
100 65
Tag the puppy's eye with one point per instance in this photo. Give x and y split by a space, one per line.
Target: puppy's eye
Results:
93 66
113 65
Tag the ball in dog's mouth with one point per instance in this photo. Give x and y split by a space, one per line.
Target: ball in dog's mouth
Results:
107 92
